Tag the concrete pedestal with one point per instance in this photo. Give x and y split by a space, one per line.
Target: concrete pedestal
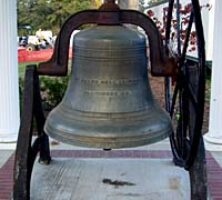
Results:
110 179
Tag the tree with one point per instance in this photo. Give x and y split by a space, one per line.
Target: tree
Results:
96 3
49 14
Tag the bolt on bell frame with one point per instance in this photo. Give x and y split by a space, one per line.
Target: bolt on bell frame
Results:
192 159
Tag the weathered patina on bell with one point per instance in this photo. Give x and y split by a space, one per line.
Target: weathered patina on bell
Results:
108 103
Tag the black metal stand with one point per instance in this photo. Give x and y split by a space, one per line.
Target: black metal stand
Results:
26 152
198 175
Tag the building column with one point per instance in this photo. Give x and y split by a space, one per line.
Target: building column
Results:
213 139
9 89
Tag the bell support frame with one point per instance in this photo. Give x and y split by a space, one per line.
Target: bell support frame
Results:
187 140
161 65
27 151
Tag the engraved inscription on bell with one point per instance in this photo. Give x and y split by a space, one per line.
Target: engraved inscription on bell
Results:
113 74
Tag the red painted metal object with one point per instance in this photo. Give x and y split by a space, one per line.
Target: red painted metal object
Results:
36 56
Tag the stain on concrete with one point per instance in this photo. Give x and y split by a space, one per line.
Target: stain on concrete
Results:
123 174
117 183
174 183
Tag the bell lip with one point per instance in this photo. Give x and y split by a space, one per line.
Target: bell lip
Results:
138 129
110 142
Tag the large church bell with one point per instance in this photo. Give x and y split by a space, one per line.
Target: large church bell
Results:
109 102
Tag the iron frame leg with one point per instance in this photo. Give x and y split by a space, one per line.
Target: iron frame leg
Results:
198 175
26 152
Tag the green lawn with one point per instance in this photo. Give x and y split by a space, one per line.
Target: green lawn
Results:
22 67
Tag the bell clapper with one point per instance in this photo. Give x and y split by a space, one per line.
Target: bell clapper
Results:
107 149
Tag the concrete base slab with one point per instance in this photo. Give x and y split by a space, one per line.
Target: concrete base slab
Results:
218 157
8 137
212 143
8 146
4 155
109 179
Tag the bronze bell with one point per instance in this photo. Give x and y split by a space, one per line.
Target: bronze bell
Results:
108 103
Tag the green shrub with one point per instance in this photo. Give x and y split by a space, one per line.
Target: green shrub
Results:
52 90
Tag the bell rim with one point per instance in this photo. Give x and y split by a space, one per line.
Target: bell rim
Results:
107 142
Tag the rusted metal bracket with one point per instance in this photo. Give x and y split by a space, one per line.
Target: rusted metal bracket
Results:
110 14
